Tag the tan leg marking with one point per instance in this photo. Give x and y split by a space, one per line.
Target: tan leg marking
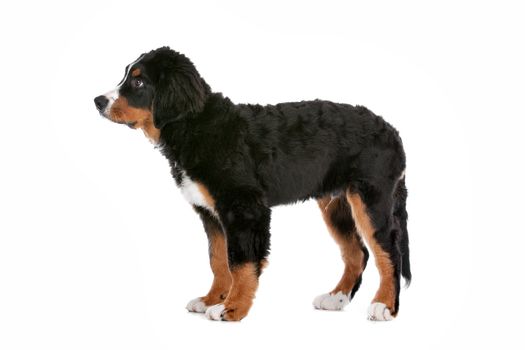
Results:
242 292
349 244
222 278
386 293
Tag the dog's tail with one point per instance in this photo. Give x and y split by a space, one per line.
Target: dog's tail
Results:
401 214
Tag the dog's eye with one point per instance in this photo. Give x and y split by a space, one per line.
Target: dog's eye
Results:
137 83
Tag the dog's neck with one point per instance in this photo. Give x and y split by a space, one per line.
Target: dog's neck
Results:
151 132
174 141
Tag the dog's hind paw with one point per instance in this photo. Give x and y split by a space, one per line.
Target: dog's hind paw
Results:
379 312
332 302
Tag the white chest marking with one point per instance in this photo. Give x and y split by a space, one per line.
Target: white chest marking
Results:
191 192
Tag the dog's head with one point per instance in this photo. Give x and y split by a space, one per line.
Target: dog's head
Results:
157 88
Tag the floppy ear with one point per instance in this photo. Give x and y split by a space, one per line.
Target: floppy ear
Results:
178 92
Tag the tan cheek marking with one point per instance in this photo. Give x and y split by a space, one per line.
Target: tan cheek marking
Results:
122 112
136 72
386 292
349 245
222 278
242 292
206 194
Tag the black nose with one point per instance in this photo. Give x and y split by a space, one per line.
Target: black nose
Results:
101 102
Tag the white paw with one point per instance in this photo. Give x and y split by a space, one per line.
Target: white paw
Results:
379 312
215 312
196 305
331 301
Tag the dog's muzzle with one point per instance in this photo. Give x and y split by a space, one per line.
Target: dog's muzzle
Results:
104 102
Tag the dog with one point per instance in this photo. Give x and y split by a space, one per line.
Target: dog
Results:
233 162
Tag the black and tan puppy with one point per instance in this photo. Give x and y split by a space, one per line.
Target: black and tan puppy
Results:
233 162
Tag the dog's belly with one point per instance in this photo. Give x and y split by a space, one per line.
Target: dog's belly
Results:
292 184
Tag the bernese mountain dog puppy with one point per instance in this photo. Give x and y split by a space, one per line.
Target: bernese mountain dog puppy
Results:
234 162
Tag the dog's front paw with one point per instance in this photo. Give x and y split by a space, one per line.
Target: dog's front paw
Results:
196 305
215 312
379 312
226 312
332 302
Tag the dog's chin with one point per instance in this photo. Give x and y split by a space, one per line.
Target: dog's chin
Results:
105 115
131 125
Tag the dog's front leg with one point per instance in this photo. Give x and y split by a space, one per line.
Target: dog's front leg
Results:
222 280
246 221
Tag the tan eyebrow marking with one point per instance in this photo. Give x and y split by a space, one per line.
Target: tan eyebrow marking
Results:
136 72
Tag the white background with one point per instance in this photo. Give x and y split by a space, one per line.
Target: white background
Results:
98 249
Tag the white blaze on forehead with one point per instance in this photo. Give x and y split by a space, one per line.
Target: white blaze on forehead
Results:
128 69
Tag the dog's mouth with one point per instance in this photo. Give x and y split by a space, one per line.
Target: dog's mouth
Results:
131 125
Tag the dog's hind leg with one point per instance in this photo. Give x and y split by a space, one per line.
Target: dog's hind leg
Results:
372 209
222 279
337 215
